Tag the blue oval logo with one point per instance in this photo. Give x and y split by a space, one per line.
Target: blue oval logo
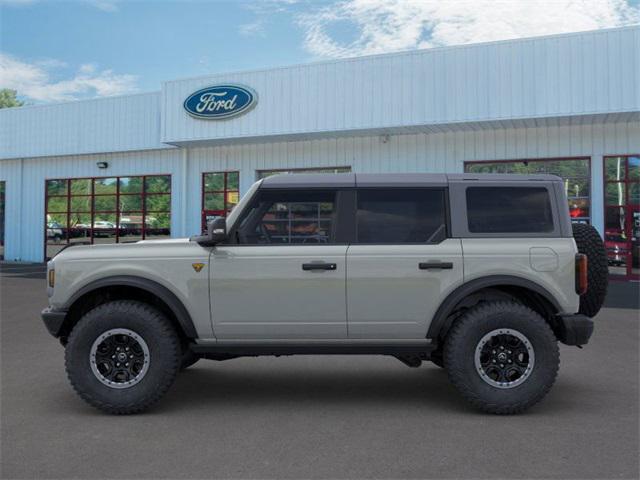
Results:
220 101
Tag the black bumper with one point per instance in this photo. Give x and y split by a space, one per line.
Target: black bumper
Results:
54 320
574 329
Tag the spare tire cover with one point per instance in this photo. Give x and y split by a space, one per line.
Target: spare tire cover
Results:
589 242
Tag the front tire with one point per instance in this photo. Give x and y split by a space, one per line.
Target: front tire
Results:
122 356
502 356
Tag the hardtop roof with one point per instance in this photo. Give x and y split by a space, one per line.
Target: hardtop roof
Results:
346 180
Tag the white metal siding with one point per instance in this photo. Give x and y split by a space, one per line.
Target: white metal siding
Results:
435 152
25 191
112 124
558 76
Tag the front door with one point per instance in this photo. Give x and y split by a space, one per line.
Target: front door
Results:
283 273
401 264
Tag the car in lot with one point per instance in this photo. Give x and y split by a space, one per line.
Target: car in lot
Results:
617 247
54 231
480 274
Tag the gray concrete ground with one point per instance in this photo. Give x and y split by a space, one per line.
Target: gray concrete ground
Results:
315 417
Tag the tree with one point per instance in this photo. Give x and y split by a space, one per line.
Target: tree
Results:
8 98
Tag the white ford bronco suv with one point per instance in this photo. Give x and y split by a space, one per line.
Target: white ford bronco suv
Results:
480 274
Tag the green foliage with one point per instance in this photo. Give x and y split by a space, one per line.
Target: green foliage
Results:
8 98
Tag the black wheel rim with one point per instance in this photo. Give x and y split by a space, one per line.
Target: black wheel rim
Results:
119 358
504 358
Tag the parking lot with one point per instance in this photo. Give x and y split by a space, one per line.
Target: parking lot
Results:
316 417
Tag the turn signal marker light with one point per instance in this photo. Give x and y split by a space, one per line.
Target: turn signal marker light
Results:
582 281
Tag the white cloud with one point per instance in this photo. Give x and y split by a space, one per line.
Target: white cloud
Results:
104 5
35 82
252 28
391 25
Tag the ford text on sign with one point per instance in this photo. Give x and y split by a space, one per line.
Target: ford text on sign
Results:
220 101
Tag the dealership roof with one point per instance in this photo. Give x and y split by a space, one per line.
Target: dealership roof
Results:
569 79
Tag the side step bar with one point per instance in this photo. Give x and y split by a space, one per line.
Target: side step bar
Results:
421 348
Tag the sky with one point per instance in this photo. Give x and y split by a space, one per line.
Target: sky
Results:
54 50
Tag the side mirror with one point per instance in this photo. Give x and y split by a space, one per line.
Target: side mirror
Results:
216 233
217 230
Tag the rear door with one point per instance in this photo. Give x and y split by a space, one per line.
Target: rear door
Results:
402 263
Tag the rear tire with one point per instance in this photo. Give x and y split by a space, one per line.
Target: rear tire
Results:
589 242
103 347
479 339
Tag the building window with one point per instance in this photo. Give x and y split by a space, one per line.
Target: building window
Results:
220 193
106 210
622 215
2 187
575 172
268 173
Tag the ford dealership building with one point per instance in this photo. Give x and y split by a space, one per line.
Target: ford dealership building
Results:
159 164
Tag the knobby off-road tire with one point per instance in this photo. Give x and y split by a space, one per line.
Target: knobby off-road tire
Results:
468 333
112 329
589 242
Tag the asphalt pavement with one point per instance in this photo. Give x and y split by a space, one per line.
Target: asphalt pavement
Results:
315 417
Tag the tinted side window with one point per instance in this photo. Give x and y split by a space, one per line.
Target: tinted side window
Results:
290 217
401 216
509 210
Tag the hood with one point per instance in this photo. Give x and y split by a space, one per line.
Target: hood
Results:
143 248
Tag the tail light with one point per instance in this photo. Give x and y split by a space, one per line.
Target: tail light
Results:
581 274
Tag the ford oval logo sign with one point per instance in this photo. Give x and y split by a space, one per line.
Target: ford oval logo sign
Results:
220 101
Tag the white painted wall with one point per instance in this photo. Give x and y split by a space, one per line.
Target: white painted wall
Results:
113 124
556 76
435 152
579 77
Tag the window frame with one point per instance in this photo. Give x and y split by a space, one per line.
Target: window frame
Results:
629 275
299 170
459 214
206 212
447 216
91 196
3 216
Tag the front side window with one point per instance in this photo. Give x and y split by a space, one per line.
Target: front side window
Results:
290 217
401 216
509 210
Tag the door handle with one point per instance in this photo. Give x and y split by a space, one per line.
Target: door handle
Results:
435 265
319 266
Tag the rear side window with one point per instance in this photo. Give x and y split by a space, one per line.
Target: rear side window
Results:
509 210
401 216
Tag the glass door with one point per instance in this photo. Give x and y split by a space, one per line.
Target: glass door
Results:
622 215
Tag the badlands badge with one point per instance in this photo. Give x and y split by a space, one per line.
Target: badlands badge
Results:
197 266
